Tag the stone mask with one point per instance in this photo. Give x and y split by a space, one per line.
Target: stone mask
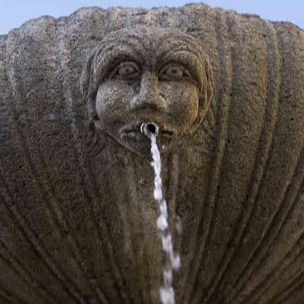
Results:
147 74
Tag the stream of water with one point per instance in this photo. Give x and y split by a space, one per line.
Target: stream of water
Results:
167 294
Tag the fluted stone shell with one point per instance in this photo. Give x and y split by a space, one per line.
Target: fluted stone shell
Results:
77 224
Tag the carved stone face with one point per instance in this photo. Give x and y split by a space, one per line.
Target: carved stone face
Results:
148 75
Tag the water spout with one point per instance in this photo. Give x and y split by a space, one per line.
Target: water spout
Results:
167 295
149 129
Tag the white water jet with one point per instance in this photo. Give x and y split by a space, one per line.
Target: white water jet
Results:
167 294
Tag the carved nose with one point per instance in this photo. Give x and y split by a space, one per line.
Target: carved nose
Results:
149 97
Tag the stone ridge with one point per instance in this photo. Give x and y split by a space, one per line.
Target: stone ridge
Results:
142 11
76 212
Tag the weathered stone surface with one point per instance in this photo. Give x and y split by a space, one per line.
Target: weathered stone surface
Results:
77 215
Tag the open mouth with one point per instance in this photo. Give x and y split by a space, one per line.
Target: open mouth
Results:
133 131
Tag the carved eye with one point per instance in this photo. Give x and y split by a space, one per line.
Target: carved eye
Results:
174 71
126 70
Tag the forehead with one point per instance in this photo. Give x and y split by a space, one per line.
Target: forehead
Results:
149 42
154 37
148 35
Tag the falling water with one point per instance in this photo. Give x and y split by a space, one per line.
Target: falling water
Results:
167 295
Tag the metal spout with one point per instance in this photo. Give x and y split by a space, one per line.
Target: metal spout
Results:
149 129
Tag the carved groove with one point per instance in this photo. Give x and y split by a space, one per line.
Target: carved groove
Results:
227 75
10 298
273 228
136 226
22 272
61 224
259 166
64 60
111 44
101 295
36 244
295 297
226 63
43 253
274 275
106 243
297 283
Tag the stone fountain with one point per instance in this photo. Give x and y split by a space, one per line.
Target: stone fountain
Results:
77 212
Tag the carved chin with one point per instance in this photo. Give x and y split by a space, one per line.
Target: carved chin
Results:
138 143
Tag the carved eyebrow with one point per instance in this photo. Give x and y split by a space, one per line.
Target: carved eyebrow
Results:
187 59
112 55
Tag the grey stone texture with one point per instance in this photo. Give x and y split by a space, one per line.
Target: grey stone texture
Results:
77 213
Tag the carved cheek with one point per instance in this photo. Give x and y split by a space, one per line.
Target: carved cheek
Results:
189 104
184 105
112 101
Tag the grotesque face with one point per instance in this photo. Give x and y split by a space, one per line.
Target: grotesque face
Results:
147 75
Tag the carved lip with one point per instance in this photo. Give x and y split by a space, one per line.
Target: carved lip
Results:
133 131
